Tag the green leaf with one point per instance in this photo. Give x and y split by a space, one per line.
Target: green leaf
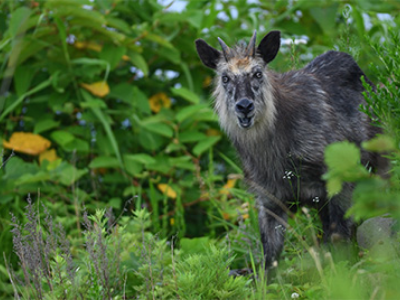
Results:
132 95
32 178
195 18
380 143
44 125
334 185
325 16
107 128
113 35
139 62
114 202
231 163
18 18
186 94
129 191
68 174
342 156
188 75
205 144
93 103
118 23
183 162
78 12
359 21
93 62
112 54
77 145
159 128
104 162
161 164
62 137
62 32
15 103
150 141
16 167
132 167
140 101
343 162
191 136
159 40
22 79
29 47
195 245
122 91
171 54
142 158
189 111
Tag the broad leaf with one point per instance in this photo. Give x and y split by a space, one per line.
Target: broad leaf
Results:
104 162
186 94
205 144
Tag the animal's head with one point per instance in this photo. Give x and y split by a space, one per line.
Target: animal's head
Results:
243 89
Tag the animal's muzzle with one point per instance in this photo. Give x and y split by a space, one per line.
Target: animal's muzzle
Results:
244 107
245 112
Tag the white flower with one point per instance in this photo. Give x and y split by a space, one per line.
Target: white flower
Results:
288 175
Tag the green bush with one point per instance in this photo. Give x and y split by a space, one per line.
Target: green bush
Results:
105 103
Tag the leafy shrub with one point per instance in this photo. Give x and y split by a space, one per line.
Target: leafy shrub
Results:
113 104
114 262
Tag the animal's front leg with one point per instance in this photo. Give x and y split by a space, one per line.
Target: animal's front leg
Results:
272 220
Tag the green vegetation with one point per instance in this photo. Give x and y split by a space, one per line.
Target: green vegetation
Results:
133 191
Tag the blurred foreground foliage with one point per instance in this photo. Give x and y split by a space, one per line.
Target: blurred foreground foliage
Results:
105 103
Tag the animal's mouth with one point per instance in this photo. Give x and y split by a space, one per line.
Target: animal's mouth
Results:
245 112
245 122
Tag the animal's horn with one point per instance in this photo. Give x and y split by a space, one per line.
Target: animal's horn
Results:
225 49
251 48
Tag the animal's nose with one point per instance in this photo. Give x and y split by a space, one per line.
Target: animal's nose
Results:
244 106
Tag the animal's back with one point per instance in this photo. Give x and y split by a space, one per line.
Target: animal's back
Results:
340 77
339 69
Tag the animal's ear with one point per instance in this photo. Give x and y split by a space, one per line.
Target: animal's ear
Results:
208 55
269 46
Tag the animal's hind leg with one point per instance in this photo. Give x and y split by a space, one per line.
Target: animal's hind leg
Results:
272 228
340 228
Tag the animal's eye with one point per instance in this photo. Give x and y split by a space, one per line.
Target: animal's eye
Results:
225 79
258 74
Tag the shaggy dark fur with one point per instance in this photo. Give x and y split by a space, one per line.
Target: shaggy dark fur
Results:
280 125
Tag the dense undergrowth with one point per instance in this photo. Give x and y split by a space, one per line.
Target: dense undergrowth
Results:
119 181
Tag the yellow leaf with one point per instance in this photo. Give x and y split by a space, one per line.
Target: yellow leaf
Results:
126 58
167 190
205 195
50 155
27 142
229 184
245 216
213 132
80 45
88 45
99 89
172 221
158 101
226 216
207 81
